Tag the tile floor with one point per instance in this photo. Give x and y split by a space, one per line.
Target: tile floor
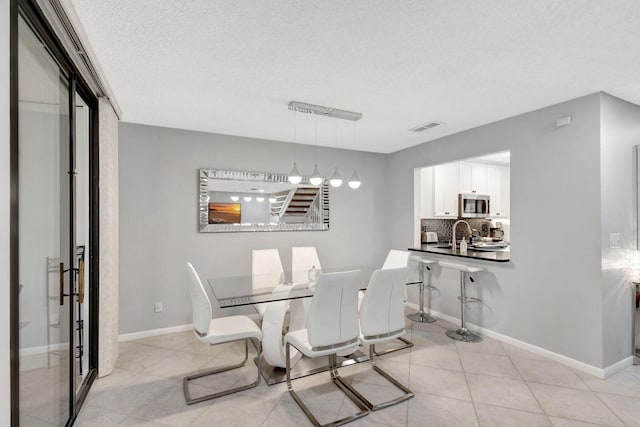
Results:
455 384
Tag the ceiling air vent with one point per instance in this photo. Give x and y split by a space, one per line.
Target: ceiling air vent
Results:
426 126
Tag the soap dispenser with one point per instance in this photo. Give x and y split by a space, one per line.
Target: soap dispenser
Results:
463 246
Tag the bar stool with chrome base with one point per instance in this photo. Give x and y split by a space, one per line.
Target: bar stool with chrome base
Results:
421 316
462 333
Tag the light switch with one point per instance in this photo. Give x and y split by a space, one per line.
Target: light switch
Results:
157 307
615 240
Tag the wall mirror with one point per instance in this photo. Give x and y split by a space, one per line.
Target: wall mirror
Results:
236 201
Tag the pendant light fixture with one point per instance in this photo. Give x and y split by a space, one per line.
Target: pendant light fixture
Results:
247 198
336 179
294 176
235 198
316 178
354 181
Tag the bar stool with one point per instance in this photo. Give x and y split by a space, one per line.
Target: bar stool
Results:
421 316
462 334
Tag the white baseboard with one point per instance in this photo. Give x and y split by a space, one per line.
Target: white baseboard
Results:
154 332
567 361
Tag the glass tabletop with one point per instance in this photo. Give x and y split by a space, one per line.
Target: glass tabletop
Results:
236 291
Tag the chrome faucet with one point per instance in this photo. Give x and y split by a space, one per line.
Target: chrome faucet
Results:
453 232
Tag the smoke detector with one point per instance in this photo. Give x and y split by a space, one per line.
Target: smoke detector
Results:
426 126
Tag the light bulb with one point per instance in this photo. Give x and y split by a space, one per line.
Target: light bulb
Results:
316 179
354 181
248 198
336 179
235 198
260 199
294 176
272 199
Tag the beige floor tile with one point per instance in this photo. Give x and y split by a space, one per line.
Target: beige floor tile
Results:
625 383
286 413
169 407
29 421
436 358
440 382
487 345
93 416
548 372
435 340
435 411
139 422
439 326
563 422
513 351
127 395
489 364
493 416
364 372
625 407
580 405
504 392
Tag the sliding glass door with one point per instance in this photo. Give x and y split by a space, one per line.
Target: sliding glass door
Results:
54 234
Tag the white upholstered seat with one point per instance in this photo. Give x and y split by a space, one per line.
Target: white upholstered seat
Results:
332 326
217 331
266 272
303 258
382 319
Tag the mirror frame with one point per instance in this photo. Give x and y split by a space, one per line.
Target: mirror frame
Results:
203 211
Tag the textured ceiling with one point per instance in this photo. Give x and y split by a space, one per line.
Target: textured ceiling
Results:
232 66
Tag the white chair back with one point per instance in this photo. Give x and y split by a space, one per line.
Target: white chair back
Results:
200 304
266 268
333 315
396 259
302 259
382 309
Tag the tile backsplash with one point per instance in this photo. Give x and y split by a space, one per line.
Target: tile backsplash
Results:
443 228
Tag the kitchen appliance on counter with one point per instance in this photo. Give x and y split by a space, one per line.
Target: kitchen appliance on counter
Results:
430 237
473 205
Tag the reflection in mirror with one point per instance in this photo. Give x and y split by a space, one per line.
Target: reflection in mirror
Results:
255 201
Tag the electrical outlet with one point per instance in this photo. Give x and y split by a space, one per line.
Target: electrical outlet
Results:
615 240
157 307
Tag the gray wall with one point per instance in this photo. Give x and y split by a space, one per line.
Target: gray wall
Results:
620 132
159 215
5 307
550 294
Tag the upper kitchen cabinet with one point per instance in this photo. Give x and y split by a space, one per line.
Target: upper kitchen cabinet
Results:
445 190
498 190
473 178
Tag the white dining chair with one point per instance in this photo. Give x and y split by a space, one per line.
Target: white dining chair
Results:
266 272
303 258
395 259
332 326
382 319
218 331
273 323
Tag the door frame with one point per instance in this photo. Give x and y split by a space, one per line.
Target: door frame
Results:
31 13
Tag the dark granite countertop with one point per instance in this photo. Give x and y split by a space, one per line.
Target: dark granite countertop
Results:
495 256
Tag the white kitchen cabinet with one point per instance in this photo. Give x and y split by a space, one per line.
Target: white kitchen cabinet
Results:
472 178
498 190
426 193
445 190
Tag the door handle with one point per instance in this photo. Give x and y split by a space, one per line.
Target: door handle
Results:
81 282
61 266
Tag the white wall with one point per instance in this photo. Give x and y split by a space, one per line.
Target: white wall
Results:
5 308
550 295
159 215
620 132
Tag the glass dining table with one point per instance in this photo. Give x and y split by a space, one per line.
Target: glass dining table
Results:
286 297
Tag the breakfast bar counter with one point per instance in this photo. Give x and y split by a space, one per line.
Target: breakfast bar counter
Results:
502 255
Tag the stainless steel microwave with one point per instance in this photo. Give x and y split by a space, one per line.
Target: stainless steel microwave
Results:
473 205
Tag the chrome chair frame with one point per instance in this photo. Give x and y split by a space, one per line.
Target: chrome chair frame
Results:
207 372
